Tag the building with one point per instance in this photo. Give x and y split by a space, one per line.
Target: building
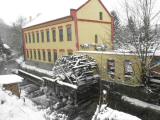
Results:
117 66
86 27
11 82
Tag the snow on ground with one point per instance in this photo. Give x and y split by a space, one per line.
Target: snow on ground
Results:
13 108
107 113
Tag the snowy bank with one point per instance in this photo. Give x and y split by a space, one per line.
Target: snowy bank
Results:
107 113
13 108
140 103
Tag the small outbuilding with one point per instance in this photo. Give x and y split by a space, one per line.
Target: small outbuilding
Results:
11 83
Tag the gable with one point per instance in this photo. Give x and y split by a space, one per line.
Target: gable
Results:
91 11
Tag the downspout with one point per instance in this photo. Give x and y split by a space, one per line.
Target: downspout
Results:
74 15
24 45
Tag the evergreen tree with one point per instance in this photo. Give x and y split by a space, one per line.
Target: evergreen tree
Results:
17 34
117 28
116 19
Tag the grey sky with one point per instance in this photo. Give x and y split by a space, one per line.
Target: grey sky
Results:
10 10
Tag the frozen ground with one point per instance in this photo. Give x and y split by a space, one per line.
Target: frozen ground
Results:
13 108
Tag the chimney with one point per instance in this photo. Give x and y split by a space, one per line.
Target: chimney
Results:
30 18
73 12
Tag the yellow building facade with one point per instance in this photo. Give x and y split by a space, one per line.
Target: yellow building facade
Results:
117 66
90 24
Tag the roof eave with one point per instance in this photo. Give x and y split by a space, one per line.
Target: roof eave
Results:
47 22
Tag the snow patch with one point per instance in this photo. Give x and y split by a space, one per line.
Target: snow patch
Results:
55 116
20 60
6 46
13 108
9 79
107 113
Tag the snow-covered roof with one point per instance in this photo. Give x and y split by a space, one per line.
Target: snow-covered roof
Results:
117 52
6 46
9 79
108 52
56 12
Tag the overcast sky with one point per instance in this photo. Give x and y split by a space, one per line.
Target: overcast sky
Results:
10 10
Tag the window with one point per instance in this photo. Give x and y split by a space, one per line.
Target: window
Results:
48 35
55 55
111 68
29 37
61 34
42 36
26 38
54 35
69 34
37 37
49 56
35 56
128 68
100 16
96 39
39 55
70 52
44 55
61 52
31 54
33 37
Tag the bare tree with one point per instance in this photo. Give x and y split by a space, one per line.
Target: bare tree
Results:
141 32
4 31
16 33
